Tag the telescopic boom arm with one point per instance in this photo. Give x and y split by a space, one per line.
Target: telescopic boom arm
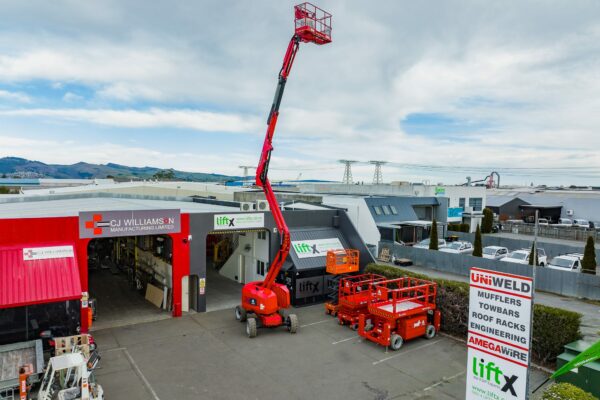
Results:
262 170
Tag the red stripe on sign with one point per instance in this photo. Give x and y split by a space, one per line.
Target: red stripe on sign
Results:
489 271
502 291
496 355
499 341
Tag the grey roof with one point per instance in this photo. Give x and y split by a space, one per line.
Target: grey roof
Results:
40 207
403 204
312 234
499 201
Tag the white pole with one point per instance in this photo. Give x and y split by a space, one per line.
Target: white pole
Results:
532 295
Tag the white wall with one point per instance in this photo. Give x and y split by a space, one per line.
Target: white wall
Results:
259 250
359 214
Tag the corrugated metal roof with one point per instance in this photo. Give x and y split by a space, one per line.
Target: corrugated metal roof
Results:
403 205
26 282
499 201
312 234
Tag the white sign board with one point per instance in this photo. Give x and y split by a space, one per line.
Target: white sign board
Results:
316 248
42 253
239 221
499 335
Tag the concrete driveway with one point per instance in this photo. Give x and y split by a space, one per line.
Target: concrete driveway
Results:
208 356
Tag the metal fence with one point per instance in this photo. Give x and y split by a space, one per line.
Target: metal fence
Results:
553 281
551 231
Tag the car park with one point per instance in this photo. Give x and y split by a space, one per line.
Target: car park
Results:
458 247
494 252
522 257
567 262
424 244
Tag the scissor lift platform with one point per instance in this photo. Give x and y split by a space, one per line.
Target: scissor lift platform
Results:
353 297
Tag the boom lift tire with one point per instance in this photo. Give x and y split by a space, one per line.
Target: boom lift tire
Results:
240 314
292 323
251 327
396 342
430 332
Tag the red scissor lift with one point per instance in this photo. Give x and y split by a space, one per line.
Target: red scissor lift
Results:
338 263
353 296
398 310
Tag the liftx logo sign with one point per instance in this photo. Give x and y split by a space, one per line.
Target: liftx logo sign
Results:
96 224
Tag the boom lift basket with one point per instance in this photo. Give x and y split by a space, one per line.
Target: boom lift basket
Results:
344 261
312 23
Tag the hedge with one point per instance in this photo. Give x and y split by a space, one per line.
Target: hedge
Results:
453 303
458 228
566 391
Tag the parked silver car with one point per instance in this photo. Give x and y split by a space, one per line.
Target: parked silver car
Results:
458 247
424 244
494 252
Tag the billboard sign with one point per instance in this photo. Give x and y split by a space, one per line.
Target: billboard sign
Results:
499 338
307 287
316 248
98 224
44 253
239 221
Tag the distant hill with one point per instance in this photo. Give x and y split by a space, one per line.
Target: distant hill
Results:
20 167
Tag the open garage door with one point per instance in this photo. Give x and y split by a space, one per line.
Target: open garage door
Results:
130 279
232 259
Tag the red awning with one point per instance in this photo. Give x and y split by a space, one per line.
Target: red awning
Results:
31 274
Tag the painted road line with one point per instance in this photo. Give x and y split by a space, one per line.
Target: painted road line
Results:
404 352
345 340
444 380
315 323
113 349
139 373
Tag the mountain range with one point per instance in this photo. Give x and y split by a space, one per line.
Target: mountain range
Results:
20 167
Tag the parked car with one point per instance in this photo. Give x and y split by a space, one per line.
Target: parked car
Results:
424 244
522 257
567 262
458 247
494 252
581 223
565 222
542 221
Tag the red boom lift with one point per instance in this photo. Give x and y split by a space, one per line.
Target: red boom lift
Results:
267 299
398 310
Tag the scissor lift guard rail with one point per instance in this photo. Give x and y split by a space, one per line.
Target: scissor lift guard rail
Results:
398 310
353 296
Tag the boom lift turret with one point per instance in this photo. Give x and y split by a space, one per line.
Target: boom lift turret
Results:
267 299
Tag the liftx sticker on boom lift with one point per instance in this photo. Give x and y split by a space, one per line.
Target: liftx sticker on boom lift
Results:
267 299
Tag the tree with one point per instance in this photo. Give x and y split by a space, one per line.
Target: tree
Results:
4 190
477 247
488 221
532 257
164 175
433 238
588 264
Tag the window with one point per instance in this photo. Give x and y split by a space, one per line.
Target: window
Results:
260 267
461 203
377 210
262 235
475 203
394 211
386 210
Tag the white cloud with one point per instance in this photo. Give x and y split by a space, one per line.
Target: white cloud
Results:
70 97
14 96
152 118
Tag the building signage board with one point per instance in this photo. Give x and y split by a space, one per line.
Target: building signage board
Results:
455 212
499 335
307 287
316 248
43 253
99 224
440 191
239 221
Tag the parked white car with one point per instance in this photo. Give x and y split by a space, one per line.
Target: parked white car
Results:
567 262
458 247
495 252
424 244
522 257
565 222
542 221
581 223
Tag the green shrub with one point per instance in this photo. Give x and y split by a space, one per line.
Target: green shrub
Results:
477 247
588 264
454 227
453 303
488 221
433 238
566 391
531 257
465 228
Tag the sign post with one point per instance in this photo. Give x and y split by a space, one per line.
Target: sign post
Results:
499 338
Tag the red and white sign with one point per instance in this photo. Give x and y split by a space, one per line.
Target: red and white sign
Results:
499 335
42 253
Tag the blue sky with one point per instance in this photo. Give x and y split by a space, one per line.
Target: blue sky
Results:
440 92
